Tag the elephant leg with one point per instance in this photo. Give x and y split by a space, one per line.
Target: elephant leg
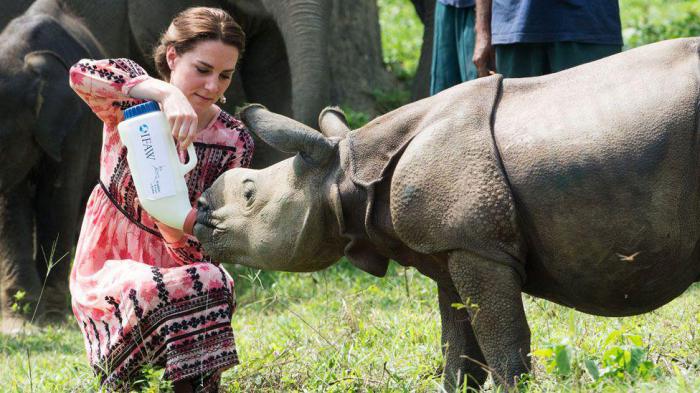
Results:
265 71
492 293
17 270
304 24
267 80
463 357
58 206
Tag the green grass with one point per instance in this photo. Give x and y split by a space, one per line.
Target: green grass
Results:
402 36
343 330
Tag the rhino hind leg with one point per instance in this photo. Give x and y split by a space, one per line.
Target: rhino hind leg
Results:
491 292
463 357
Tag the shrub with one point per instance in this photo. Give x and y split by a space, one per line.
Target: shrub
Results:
648 21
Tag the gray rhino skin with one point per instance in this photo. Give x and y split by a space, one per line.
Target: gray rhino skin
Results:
581 187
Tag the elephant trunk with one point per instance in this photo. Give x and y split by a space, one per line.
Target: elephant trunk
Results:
304 24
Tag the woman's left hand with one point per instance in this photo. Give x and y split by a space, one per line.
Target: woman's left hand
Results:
170 235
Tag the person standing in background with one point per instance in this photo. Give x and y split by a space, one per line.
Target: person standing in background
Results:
453 44
538 37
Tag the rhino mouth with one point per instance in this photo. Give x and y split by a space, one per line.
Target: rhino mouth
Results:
209 235
204 213
204 219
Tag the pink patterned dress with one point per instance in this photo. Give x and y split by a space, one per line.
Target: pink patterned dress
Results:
137 298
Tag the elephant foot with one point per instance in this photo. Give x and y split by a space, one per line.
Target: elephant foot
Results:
17 312
12 325
25 313
52 317
55 308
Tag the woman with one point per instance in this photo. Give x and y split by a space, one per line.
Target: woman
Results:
143 292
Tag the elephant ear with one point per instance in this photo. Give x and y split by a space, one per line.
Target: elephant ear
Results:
56 107
288 135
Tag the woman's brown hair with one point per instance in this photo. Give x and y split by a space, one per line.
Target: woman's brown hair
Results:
195 25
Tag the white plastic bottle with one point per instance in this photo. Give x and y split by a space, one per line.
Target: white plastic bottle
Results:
155 166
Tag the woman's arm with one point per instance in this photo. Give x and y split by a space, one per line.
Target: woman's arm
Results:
178 110
105 85
182 247
109 86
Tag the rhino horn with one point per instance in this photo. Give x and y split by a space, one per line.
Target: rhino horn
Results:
333 123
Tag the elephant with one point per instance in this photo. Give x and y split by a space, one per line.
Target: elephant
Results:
107 20
129 28
285 65
580 187
50 144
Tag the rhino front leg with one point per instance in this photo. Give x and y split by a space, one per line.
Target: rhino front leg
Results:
492 293
463 357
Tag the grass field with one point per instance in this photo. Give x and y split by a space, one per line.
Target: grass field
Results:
341 330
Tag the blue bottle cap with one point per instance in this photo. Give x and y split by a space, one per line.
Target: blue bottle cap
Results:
141 109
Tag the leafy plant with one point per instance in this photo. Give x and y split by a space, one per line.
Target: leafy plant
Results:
387 101
402 37
151 380
647 21
624 357
19 303
556 357
355 119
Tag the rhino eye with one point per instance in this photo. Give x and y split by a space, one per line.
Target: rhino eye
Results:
249 192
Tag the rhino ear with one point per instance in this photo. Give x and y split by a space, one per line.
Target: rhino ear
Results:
333 123
288 135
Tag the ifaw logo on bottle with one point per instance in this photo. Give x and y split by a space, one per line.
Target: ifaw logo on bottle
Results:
147 142
157 178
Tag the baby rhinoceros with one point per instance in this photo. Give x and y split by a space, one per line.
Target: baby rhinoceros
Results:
581 187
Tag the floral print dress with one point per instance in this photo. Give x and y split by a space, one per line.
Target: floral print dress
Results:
137 298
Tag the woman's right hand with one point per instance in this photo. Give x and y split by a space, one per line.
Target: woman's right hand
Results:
177 109
181 115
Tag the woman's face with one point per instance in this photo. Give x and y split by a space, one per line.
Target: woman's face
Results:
204 72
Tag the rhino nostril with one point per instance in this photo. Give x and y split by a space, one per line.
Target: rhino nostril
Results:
202 204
